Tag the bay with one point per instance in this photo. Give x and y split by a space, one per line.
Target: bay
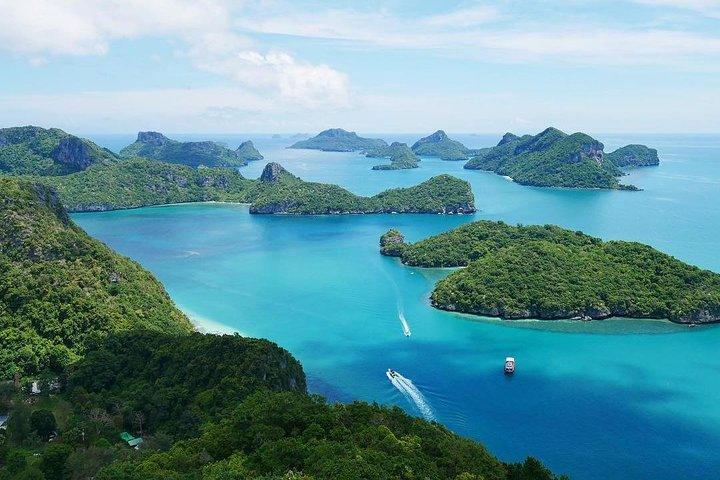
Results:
608 399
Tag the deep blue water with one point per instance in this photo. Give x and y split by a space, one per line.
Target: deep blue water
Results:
597 400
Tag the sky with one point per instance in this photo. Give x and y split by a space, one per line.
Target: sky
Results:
216 66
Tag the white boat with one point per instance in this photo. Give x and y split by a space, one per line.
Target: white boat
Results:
391 373
509 365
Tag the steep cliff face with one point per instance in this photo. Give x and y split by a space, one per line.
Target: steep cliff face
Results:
74 153
273 172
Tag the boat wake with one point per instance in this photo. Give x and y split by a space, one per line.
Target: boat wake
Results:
404 323
411 393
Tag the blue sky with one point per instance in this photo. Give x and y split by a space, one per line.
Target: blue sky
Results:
92 66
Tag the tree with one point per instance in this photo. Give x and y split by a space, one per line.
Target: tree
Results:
18 428
43 423
53 461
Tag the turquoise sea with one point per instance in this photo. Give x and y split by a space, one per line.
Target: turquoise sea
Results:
596 400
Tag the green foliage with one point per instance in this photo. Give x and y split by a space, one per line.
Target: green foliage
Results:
178 382
633 156
53 461
247 152
141 182
272 434
339 140
400 155
39 151
18 425
439 145
156 146
281 192
549 272
61 289
551 159
392 243
42 422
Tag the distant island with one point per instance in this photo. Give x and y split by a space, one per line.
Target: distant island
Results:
634 156
141 182
339 140
156 146
39 151
553 158
400 155
281 192
547 272
440 145
247 152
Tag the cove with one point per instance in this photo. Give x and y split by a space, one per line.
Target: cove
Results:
610 399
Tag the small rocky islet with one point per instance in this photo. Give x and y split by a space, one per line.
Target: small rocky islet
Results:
400 155
548 273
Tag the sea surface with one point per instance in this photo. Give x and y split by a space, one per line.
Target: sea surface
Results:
609 399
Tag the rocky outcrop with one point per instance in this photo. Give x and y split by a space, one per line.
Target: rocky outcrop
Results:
152 138
507 138
392 243
72 152
272 172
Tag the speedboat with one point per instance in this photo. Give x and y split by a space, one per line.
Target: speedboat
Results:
391 373
509 365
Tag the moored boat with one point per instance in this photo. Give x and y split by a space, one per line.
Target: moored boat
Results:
509 365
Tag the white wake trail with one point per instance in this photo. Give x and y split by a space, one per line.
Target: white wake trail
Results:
403 321
411 392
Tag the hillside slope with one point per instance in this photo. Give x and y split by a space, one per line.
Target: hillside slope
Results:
59 288
39 151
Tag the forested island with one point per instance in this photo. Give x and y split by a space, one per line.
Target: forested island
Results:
39 151
339 140
103 378
140 182
247 152
400 155
156 146
553 158
440 145
547 272
281 192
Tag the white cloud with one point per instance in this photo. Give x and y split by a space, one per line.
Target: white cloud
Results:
708 8
485 33
41 28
